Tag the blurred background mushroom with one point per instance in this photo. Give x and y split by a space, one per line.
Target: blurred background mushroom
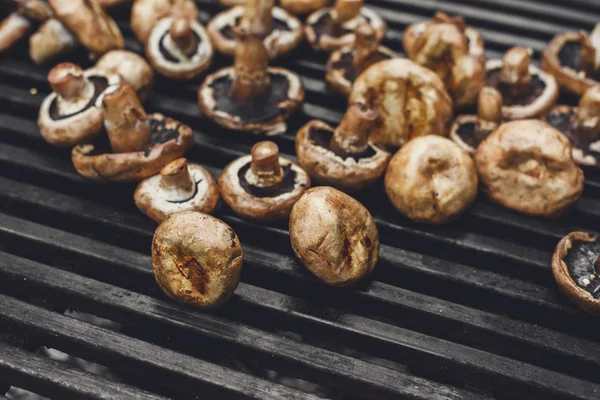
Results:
18 17
145 14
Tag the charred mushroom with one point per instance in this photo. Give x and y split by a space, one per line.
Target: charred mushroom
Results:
342 157
329 29
132 68
280 31
251 96
334 236
430 179
411 101
346 64
72 113
527 166
527 91
196 259
302 7
179 187
179 48
145 14
140 145
17 18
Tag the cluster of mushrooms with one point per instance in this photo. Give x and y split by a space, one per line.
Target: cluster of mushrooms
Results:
407 123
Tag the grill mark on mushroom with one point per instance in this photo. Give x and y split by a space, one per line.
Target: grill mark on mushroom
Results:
194 273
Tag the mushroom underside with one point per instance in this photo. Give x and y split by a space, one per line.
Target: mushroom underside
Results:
325 25
535 88
581 263
322 137
471 134
278 25
100 84
287 184
570 56
563 122
346 64
197 40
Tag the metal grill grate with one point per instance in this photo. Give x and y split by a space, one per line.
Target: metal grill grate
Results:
464 311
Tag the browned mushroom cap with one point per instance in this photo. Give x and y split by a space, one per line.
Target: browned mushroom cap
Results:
114 3
16 17
347 63
263 185
132 68
526 165
140 145
145 14
303 7
72 113
50 41
179 187
196 259
342 157
334 236
329 29
575 267
411 101
280 31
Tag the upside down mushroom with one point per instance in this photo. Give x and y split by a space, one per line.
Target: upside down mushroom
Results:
17 17
132 68
145 14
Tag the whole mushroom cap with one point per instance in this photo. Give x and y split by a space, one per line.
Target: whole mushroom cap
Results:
133 68
145 14
196 259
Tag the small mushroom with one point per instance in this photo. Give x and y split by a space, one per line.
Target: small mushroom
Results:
50 41
334 236
342 157
196 259
179 48
329 29
302 7
280 31
346 64
430 179
72 113
527 91
263 185
411 101
139 145
527 166
468 131
145 14
179 187
17 18
132 68
251 96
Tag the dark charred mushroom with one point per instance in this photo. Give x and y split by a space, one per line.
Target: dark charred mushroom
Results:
17 18
145 14
334 236
263 185
250 96
342 157
132 68
527 91
346 64
280 31
179 187
329 29
430 179
72 113
303 7
196 259
527 166
139 145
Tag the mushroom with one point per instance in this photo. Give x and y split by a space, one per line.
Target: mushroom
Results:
72 113
334 236
179 187
346 64
132 68
196 259
329 29
17 18
139 145
576 269
145 14
263 186
51 40
251 96
342 157
232 3
411 101
527 91
280 31
114 3
179 48
431 179
302 7
468 131
527 166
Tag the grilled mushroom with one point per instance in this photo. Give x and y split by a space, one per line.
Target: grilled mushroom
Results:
140 145
145 14
527 166
72 113
17 18
342 157
527 91
114 3
302 7
329 29
50 41
132 68
179 48
346 64
280 31
251 96
196 259
334 236
411 101
430 179
179 187
263 185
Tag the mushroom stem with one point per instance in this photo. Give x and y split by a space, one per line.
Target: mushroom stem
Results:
125 121
590 56
588 113
443 18
182 35
175 178
515 69
68 81
258 17
489 105
365 47
346 10
251 67
265 170
352 134
50 40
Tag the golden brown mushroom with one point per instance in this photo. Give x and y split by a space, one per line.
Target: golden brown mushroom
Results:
17 17
145 14
133 68
50 41
302 7
114 3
